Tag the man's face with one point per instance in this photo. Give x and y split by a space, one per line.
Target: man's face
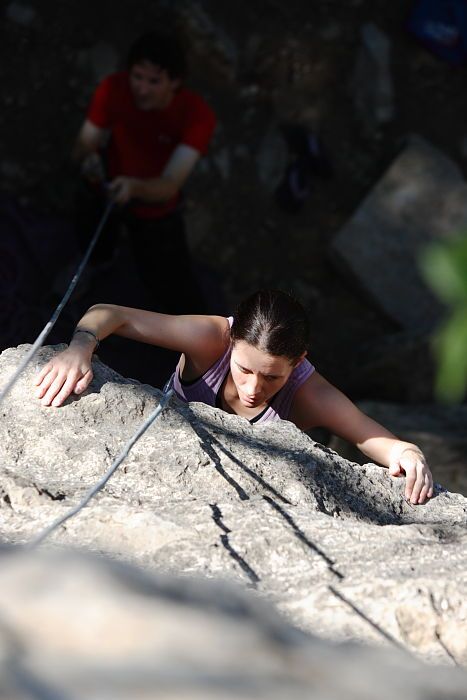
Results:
152 87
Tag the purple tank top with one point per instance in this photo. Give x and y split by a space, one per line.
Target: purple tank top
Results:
205 388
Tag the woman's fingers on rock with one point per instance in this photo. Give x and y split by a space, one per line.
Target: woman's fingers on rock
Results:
67 388
419 483
48 397
84 382
47 379
395 470
56 385
410 483
423 493
428 486
43 373
54 389
417 489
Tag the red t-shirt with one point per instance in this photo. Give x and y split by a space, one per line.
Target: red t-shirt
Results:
141 142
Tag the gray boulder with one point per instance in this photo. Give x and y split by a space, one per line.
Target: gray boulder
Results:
334 545
421 198
81 627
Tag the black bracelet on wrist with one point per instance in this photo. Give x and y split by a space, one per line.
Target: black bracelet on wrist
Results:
85 330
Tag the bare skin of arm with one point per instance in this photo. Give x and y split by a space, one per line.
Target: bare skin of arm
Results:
90 138
201 339
157 189
123 188
86 151
319 403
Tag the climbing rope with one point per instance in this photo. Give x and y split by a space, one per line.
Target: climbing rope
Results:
168 390
53 319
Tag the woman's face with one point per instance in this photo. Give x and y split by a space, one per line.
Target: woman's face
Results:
257 375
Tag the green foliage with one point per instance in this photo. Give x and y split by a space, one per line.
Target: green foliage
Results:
444 266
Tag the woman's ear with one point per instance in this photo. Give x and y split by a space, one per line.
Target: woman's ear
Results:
300 359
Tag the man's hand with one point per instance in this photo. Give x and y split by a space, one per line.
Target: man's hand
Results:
92 168
122 189
419 481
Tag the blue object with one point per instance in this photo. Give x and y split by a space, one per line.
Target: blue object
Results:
441 26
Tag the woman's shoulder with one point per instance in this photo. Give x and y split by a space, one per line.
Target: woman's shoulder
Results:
308 399
213 328
211 338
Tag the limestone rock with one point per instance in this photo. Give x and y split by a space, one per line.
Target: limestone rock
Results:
334 545
421 198
108 630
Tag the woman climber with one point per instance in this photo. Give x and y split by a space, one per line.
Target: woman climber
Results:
253 365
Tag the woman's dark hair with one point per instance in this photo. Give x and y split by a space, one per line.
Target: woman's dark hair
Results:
163 49
273 322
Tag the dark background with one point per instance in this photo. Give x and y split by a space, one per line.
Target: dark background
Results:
259 64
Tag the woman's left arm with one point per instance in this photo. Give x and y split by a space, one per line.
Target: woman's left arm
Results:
319 403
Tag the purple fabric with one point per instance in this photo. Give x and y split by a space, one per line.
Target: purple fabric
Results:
206 388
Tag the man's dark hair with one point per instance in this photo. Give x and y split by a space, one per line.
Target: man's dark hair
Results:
163 50
274 322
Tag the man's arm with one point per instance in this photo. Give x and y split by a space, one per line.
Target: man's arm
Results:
162 188
89 140
85 151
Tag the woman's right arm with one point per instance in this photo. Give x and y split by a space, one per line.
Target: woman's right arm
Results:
200 338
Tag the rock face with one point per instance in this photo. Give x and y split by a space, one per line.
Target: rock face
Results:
334 545
130 635
421 198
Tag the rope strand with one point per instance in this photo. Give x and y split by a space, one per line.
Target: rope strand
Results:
53 319
102 482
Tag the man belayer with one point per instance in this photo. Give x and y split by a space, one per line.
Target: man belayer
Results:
143 134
